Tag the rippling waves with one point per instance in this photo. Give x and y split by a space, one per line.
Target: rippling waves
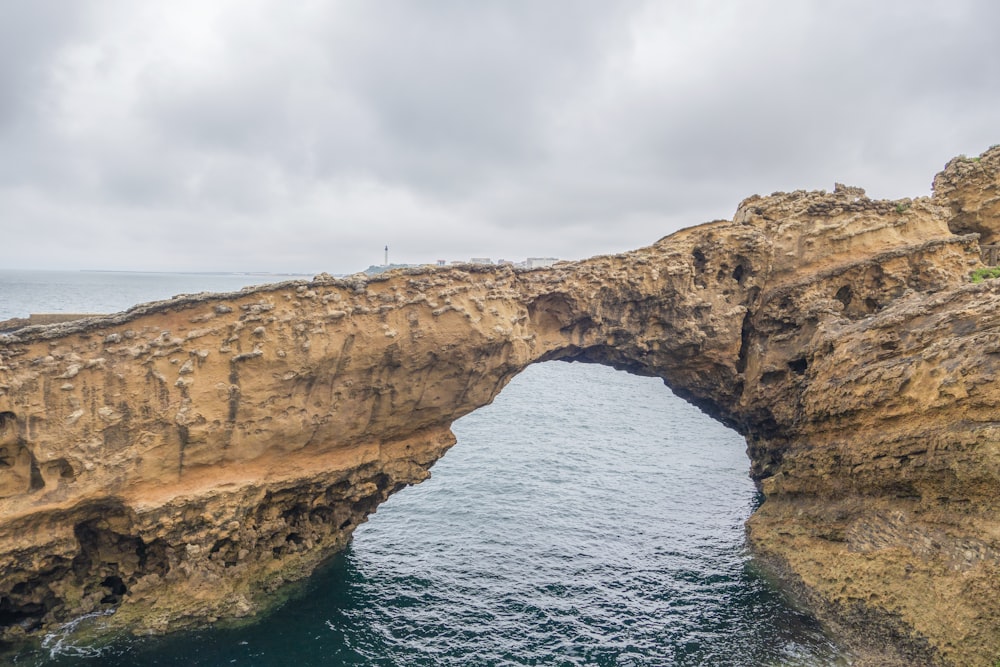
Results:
587 517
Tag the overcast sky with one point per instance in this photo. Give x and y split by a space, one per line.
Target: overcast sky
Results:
260 135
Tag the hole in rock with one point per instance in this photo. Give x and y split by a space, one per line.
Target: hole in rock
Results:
116 588
27 614
587 508
382 481
65 469
738 273
844 295
798 366
36 480
700 261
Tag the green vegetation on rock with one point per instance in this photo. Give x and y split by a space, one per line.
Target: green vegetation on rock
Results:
985 273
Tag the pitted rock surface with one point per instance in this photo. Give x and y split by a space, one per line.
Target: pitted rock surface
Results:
183 460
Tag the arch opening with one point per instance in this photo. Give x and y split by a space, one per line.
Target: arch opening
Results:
588 509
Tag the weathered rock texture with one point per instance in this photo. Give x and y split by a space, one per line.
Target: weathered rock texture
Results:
181 461
969 187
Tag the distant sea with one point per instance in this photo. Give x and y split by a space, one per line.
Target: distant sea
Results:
25 292
586 517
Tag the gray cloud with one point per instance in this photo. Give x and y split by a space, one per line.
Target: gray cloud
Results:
304 136
28 33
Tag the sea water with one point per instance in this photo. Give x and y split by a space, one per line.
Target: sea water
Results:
586 517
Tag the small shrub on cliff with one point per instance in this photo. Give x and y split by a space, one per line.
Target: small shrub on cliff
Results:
985 273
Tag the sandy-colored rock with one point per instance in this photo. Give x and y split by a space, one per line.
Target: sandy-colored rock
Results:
968 185
183 460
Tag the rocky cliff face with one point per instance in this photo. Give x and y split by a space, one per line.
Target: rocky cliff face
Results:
180 462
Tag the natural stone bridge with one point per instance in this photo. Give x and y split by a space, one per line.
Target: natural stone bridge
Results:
182 460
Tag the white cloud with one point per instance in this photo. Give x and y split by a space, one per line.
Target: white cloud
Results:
259 135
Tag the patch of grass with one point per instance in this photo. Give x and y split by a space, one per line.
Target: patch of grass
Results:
985 273
902 207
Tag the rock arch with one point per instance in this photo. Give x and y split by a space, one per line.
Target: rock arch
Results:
241 437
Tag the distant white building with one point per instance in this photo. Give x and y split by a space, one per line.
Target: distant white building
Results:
539 262
480 260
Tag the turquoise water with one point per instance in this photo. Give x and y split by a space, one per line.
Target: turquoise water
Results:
586 517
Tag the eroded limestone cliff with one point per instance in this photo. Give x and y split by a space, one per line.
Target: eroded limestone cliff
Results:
181 461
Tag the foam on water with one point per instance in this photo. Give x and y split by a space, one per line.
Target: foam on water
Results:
61 644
